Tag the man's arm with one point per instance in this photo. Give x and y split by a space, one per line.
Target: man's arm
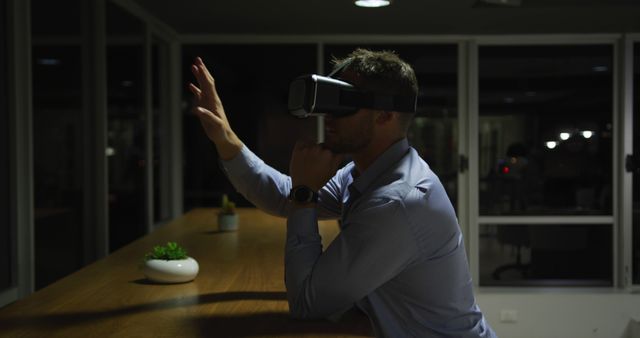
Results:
369 251
258 182
264 186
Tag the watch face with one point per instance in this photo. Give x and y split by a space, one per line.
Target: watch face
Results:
303 194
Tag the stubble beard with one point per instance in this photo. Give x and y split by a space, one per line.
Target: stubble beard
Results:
350 141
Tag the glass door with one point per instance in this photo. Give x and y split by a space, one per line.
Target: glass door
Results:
160 92
126 127
58 139
545 173
636 166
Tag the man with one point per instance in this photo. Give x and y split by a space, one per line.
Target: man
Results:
400 255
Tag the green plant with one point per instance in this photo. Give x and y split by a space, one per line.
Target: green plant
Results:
171 251
227 207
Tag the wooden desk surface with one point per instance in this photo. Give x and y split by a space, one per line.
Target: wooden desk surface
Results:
239 291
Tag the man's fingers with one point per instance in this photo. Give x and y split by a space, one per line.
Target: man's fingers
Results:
204 69
195 90
304 144
204 77
207 114
199 71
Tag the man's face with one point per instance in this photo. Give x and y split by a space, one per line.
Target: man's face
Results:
349 134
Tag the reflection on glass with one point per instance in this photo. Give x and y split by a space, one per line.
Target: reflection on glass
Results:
126 130
57 160
434 132
6 255
636 175
253 83
545 130
546 255
126 144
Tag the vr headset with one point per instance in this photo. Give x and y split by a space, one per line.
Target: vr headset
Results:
312 95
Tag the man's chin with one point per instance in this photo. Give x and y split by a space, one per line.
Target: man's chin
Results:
335 147
342 149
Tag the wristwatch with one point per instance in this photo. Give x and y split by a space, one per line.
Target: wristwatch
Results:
303 194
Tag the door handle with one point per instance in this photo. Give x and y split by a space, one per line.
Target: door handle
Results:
463 163
632 163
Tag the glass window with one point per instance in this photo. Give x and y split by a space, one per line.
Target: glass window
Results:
253 83
6 229
56 18
434 132
545 129
636 175
546 255
161 132
58 130
126 127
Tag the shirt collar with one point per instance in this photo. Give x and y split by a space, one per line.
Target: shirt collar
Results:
387 159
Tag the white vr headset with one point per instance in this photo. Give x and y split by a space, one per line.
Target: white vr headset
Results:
319 95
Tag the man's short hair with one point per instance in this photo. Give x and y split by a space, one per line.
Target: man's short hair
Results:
382 72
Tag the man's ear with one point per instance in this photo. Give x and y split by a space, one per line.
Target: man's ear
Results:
384 116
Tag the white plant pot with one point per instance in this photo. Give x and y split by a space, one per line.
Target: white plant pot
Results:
227 222
175 271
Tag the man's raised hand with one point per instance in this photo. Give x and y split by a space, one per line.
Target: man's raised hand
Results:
209 109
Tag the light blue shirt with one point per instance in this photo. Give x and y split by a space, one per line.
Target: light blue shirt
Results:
399 256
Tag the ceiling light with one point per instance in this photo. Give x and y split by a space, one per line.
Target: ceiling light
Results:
551 144
564 136
587 133
372 3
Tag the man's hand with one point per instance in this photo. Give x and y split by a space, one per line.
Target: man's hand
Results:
312 165
208 107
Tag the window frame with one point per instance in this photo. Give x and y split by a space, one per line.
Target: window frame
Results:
476 218
626 99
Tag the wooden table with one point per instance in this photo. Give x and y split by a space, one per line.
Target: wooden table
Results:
239 291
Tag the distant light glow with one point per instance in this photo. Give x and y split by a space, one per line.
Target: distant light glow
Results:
551 144
509 99
600 68
505 170
127 83
531 94
372 3
587 133
564 136
49 61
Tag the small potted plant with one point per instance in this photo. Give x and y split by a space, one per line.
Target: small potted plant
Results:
169 264
227 217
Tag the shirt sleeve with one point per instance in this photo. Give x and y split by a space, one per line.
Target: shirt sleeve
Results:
330 196
268 189
372 248
259 183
